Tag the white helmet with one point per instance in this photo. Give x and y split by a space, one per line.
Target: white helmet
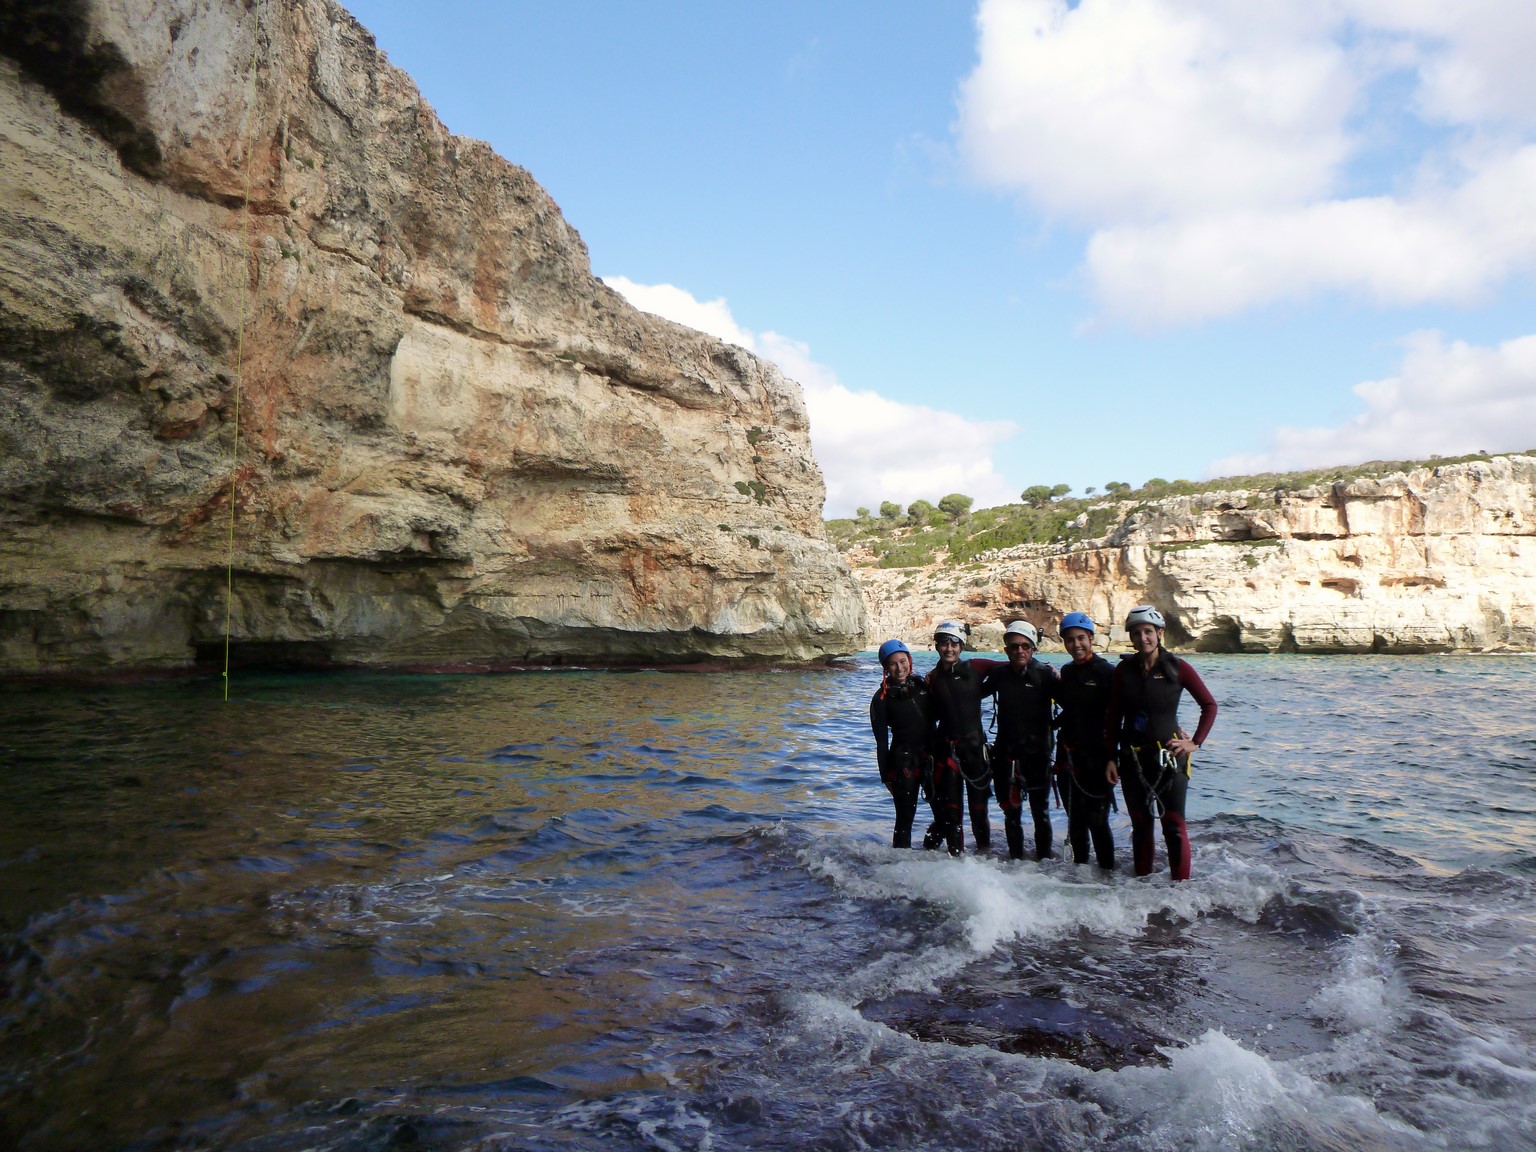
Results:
1144 614
1025 629
951 629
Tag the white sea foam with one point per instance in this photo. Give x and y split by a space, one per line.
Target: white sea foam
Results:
825 1018
1366 996
828 1025
1500 1056
1212 1094
988 903
996 902
1490 1101
1217 1094
661 1122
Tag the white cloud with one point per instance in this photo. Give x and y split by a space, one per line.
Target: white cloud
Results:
1475 67
712 316
870 448
1435 247
1135 109
1207 144
1447 399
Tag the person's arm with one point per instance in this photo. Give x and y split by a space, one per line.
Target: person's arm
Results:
1063 751
987 671
992 678
1190 681
935 740
1112 715
881 730
1112 729
1057 687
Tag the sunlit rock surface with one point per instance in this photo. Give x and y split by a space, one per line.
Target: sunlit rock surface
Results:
455 445
1436 559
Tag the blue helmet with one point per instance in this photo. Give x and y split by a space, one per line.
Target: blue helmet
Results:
1076 620
890 648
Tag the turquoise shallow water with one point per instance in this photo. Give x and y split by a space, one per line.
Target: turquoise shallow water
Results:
646 910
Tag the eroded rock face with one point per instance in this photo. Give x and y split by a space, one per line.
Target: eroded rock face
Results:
1438 559
455 445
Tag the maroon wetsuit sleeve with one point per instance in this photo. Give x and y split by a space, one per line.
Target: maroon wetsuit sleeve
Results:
1190 681
987 671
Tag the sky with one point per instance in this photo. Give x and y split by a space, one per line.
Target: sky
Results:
1014 242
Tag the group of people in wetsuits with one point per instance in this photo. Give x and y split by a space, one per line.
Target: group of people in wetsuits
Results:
1077 731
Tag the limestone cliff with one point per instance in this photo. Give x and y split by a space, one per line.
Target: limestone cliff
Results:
1435 559
455 445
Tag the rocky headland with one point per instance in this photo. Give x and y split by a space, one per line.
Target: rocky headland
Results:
455 446
1434 559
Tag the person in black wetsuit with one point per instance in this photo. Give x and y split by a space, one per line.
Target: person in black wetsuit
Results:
956 687
1082 756
1021 758
1143 721
901 715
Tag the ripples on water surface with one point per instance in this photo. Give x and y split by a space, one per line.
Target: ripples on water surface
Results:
641 910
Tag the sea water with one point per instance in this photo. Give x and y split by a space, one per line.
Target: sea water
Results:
645 910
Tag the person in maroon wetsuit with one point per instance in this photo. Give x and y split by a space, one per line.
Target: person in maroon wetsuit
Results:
901 717
1142 721
956 688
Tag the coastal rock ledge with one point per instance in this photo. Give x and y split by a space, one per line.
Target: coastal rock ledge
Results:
456 446
1435 559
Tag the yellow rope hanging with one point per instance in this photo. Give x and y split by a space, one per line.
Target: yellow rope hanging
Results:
234 461
245 251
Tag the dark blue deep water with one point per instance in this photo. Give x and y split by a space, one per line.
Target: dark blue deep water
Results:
642 910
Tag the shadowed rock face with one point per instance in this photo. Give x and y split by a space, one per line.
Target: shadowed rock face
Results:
1433 560
455 445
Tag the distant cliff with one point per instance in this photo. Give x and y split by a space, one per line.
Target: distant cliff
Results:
1430 560
455 445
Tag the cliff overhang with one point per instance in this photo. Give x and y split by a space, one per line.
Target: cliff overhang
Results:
454 446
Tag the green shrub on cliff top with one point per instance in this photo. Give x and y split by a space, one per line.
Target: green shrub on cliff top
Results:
928 535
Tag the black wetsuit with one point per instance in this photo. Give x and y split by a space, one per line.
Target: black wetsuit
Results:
902 719
1083 757
1143 716
1021 758
957 692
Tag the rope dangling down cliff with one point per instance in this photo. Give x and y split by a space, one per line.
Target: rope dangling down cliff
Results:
245 254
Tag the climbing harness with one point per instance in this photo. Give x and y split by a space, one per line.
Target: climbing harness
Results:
1076 785
1167 766
984 777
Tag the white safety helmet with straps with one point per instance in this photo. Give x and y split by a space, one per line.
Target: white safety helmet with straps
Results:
1022 628
950 629
1145 614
